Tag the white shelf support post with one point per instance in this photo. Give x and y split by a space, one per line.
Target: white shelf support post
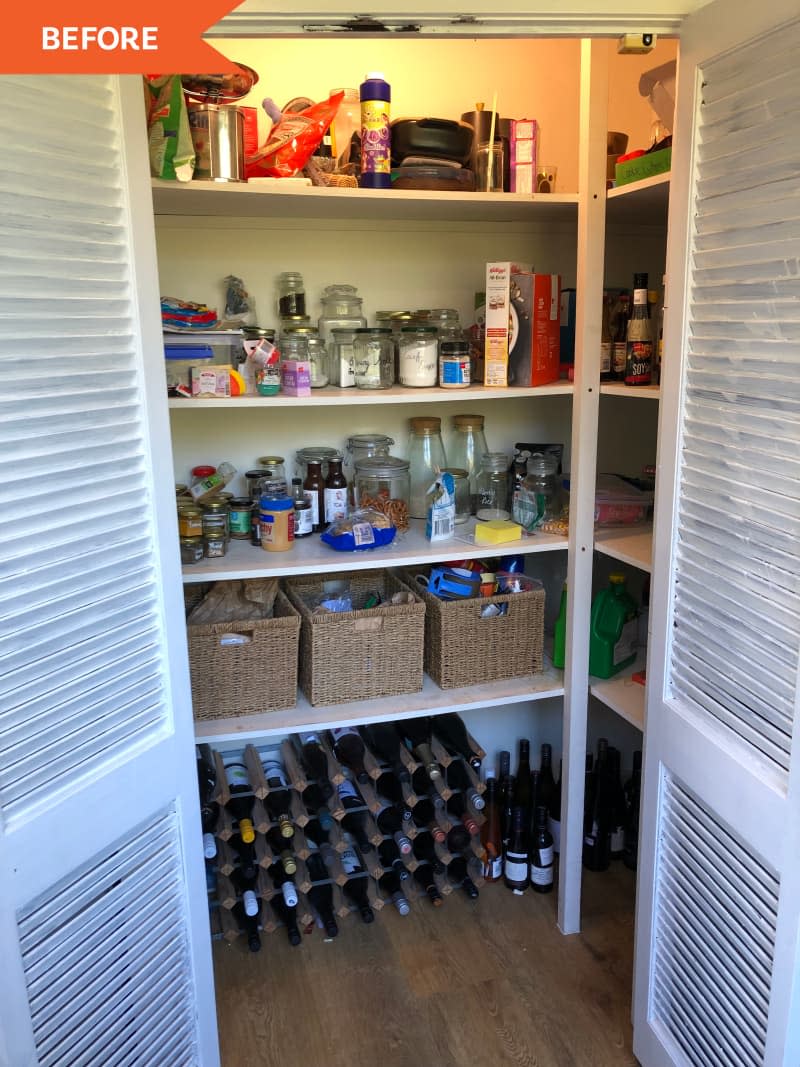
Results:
591 249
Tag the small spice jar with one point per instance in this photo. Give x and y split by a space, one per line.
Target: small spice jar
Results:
276 518
418 356
492 487
240 517
215 545
215 518
382 483
191 550
455 364
190 520
374 358
462 494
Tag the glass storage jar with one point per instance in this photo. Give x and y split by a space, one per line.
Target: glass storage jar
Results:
342 357
318 358
190 520
465 448
291 294
492 487
276 465
293 344
382 482
365 446
341 310
215 518
426 458
462 494
255 479
418 356
539 496
374 358
447 323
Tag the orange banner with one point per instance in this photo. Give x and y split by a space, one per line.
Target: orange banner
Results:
111 37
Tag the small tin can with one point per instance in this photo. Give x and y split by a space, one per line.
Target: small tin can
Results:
240 517
191 549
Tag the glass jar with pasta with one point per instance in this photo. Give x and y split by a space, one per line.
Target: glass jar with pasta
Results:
382 483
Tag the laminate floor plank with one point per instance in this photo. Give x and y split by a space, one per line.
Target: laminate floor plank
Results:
473 983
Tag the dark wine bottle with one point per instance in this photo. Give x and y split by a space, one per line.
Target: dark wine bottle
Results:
554 820
355 888
516 864
349 750
245 886
278 843
633 790
541 853
246 853
320 897
278 797
354 821
288 916
452 733
317 870
425 851
248 924
388 786
283 881
241 803
597 833
389 857
423 876
505 792
209 808
390 886
457 808
521 796
384 743
547 783
315 833
457 839
458 875
417 733
315 762
491 836
390 824
315 805
423 816
618 805
458 778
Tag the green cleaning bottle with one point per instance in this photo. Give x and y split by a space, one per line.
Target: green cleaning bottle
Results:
613 630
560 632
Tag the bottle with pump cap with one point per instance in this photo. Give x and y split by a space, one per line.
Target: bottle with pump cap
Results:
376 138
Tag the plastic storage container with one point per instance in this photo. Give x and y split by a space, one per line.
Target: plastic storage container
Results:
182 351
613 630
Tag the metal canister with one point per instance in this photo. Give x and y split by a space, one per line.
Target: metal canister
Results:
218 137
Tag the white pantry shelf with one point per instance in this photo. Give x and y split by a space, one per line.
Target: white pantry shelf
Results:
642 203
243 200
624 696
430 700
332 396
631 392
313 556
632 546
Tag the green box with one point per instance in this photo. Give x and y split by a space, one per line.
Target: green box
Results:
646 166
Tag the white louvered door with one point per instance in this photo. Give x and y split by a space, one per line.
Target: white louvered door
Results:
717 976
103 921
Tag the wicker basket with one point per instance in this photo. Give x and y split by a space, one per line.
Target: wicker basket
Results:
245 679
462 648
360 654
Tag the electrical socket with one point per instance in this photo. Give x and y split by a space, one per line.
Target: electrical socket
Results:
636 44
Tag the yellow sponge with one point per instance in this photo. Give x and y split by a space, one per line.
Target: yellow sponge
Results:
497 532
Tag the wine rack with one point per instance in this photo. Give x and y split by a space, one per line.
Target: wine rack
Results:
225 899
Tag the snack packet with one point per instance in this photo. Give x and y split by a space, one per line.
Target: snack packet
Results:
293 141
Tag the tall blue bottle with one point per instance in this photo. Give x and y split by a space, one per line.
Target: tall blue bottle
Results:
376 137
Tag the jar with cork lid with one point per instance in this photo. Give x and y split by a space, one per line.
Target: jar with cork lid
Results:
426 457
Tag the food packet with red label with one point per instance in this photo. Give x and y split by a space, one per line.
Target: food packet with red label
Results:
293 140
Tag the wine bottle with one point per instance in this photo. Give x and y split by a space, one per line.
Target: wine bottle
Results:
516 864
541 854
597 831
315 762
547 783
246 854
248 924
315 805
425 851
618 806
633 789
390 824
245 886
384 742
554 820
452 733
241 803
521 796
423 876
354 822
355 888
423 815
389 856
315 833
288 916
457 839
388 786
277 842
390 886
457 874
417 733
209 808
278 798
458 778
421 783
505 792
491 836
349 750
320 897
283 881
457 808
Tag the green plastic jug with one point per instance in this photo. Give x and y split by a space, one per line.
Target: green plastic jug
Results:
613 632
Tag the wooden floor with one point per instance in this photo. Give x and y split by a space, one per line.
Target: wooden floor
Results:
490 982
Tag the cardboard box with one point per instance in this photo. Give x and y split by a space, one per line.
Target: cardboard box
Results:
567 334
498 317
208 382
523 149
296 377
535 329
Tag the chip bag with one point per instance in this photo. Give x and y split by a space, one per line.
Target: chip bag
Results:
293 140
168 134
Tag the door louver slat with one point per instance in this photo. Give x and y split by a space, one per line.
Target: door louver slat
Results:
714 937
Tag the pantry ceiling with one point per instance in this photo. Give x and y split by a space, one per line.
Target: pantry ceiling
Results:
459 18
